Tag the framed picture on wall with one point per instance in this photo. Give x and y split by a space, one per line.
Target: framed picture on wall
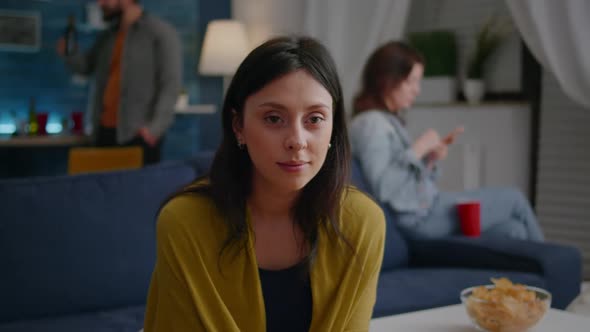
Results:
20 31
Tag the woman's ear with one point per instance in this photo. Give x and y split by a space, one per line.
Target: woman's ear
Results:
237 125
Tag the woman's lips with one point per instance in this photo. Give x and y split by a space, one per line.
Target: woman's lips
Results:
293 166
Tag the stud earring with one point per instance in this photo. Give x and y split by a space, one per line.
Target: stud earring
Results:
329 145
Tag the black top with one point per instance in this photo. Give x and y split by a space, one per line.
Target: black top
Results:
287 298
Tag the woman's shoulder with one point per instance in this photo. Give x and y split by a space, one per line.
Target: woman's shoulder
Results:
372 121
190 211
370 116
189 204
356 201
362 217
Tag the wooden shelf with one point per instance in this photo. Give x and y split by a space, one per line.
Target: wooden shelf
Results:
43 141
197 109
463 104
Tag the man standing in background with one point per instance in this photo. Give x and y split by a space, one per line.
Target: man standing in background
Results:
137 66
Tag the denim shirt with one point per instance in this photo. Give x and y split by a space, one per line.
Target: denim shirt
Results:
397 178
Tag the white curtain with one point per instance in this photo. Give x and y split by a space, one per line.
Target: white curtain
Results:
558 34
351 30
268 18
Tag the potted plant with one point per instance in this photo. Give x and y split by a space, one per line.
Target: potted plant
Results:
439 49
487 40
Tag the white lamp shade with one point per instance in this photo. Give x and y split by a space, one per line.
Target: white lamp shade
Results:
224 48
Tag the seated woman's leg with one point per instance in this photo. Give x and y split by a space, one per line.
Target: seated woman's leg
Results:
440 221
513 229
509 207
503 211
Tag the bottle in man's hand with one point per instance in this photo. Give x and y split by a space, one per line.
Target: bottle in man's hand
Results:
70 38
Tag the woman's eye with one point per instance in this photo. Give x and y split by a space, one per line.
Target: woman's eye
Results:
316 119
272 119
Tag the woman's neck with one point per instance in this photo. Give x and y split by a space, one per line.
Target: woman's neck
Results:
279 241
385 106
391 106
269 203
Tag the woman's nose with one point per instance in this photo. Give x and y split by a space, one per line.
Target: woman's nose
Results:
295 140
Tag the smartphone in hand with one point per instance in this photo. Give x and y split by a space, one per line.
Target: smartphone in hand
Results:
450 138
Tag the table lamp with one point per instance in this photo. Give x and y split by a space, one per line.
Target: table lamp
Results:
224 48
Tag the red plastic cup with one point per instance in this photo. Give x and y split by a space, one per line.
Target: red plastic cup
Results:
470 218
77 122
42 123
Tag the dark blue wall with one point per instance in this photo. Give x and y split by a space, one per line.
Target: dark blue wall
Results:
211 88
43 75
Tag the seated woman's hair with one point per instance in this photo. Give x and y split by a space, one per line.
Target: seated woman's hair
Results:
387 67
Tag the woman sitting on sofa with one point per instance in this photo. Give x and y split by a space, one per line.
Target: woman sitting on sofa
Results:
272 239
402 173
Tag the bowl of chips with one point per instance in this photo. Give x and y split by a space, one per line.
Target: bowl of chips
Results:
504 306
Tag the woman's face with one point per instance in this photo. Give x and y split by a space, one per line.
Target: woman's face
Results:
286 128
405 93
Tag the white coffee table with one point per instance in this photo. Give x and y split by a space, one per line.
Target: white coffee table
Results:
454 319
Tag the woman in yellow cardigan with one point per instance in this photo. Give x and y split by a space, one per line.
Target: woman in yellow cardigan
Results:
272 239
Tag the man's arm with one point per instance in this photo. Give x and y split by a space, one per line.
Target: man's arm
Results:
84 62
169 80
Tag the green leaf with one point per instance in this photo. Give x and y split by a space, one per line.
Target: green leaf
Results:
439 49
488 40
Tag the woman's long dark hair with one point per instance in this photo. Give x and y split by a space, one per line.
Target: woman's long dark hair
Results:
230 177
387 67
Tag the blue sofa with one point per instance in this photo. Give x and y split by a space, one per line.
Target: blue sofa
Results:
77 254
425 273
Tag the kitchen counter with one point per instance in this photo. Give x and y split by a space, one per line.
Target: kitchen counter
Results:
43 141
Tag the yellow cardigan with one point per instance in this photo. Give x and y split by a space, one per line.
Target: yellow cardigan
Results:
192 290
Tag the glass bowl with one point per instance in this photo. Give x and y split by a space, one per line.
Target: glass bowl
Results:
506 313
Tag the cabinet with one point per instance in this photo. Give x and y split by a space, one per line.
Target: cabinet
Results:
184 138
494 150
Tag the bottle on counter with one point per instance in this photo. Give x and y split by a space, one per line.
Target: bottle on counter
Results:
14 118
71 36
65 125
33 126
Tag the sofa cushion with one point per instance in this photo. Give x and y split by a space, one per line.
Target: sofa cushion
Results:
406 290
396 253
121 320
201 162
358 178
70 244
396 248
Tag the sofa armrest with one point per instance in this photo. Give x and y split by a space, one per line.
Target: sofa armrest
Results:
560 265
